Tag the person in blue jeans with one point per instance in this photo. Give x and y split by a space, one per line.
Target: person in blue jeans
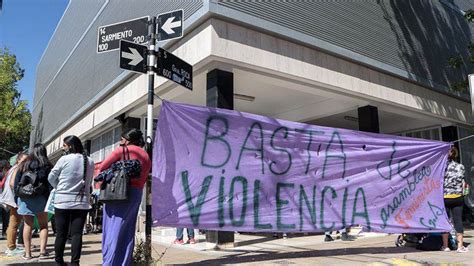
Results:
179 236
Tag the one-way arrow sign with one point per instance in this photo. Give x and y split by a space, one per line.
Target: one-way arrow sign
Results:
133 56
170 25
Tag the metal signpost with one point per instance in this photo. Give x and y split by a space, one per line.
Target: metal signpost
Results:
471 90
149 131
127 37
109 36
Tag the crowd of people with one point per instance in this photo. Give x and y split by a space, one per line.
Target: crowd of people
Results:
33 183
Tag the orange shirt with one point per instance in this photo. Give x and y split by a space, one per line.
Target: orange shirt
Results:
136 153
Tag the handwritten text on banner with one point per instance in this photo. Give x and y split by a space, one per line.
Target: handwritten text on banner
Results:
234 171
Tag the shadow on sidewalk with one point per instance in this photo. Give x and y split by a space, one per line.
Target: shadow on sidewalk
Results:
265 237
246 257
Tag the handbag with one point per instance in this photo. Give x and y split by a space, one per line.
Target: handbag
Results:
116 189
29 186
49 208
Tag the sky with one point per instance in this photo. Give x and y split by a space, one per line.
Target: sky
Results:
26 27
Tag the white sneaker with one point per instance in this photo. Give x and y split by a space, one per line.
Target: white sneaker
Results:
14 252
462 250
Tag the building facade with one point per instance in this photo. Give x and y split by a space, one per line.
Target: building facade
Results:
379 66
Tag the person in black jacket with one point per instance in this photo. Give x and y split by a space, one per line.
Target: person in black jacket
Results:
37 163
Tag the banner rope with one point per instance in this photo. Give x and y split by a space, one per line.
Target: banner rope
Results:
461 139
156 95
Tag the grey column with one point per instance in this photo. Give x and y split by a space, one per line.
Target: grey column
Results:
220 93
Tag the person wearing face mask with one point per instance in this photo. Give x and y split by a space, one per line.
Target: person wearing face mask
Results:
72 179
119 219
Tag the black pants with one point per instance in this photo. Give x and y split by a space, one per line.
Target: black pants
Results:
454 209
5 220
69 220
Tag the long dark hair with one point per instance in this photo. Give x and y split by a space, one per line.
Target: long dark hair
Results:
37 156
134 136
75 146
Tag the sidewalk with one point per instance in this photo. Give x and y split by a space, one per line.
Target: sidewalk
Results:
368 249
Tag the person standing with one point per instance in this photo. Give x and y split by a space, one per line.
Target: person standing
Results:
454 199
4 170
119 219
180 235
8 198
38 163
72 179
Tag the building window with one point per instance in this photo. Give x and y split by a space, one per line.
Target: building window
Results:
427 133
104 144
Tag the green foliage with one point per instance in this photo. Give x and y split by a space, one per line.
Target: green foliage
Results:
15 118
457 61
141 254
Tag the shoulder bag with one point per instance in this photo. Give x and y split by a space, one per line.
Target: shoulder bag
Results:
116 189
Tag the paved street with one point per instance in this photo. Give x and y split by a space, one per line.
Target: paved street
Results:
368 249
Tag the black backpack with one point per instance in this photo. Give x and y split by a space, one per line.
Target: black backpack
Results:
29 185
435 242
431 243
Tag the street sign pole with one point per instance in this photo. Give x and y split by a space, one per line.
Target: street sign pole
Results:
132 54
470 77
149 130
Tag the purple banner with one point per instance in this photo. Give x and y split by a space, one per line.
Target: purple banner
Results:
233 171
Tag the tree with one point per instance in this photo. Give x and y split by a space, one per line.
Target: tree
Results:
457 61
15 118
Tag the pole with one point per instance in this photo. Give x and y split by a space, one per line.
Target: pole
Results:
149 129
12 153
468 137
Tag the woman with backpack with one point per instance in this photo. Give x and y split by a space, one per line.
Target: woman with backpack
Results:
71 178
120 218
32 189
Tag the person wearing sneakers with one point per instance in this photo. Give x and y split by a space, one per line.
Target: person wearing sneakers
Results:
8 198
453 198
179 236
